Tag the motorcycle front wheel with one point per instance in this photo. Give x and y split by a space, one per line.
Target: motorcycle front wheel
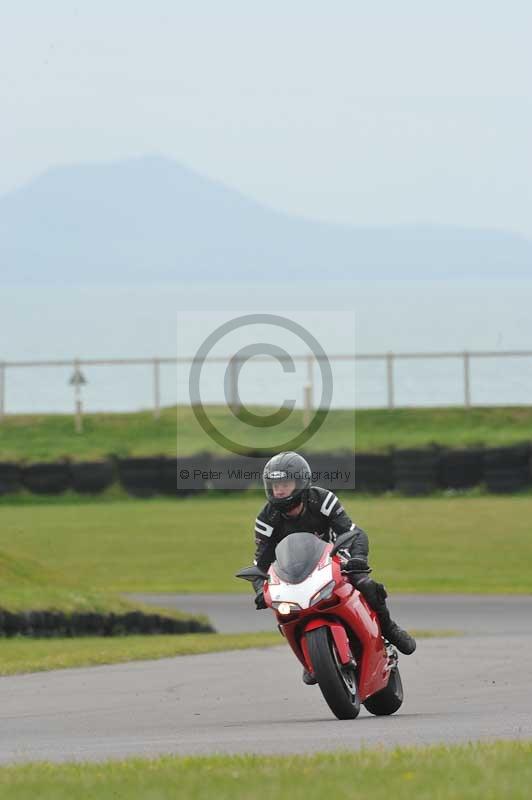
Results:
337 681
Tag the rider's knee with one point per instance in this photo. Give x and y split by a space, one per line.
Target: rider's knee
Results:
375 593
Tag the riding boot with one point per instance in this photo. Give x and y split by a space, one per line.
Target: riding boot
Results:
394 634
376 595
308 678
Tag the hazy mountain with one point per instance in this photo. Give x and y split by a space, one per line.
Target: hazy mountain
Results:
150 219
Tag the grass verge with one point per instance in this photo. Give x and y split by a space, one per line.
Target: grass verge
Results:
441 544
488 771
21 655
27 586
36 655
49 437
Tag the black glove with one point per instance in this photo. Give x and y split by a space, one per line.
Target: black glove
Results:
260 602
356 565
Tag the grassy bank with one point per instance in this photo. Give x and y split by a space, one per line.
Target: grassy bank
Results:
469 772
61 605
49 437
441 544
26 584
37 655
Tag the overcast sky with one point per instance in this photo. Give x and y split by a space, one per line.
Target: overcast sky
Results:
365 113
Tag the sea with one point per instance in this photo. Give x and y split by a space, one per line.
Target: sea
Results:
272 322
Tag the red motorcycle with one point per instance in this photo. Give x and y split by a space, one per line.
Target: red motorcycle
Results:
329 625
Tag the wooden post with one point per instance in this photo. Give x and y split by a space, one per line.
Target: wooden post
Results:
389 379
307 404
156 389
2 390
78 407
467 381
309 398
234 403
77 381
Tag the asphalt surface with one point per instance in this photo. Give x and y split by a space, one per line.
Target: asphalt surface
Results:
456 689
254 701
468 614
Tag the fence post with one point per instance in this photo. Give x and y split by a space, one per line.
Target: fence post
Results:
78 409
309 397
2 390
234 397
389 379
156 388
307 404
467 383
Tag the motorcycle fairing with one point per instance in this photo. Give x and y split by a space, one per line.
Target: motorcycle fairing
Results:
339 635
301 593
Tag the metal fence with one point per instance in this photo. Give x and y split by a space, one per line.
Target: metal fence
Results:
154 369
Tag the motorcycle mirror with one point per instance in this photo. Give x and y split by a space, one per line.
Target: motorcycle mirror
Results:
342 541
251 574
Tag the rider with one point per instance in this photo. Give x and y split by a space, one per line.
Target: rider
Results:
295 505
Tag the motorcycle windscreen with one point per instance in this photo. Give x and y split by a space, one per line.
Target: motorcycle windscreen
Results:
297 555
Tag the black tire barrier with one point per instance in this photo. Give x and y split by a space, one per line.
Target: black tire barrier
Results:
412 472
48 624
44 478
92 477
10 475
416 471
333 471
507 469
374 473
461 469
235 473
140 477
192 474
181 477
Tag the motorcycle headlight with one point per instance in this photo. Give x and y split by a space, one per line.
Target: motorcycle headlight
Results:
323 594
286 608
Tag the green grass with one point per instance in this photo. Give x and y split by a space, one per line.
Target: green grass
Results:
34 655
20 654
50 437
26 585
440 544
114 493
466 772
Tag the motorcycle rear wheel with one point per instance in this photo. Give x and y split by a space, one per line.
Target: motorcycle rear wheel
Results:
389 699
337 681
